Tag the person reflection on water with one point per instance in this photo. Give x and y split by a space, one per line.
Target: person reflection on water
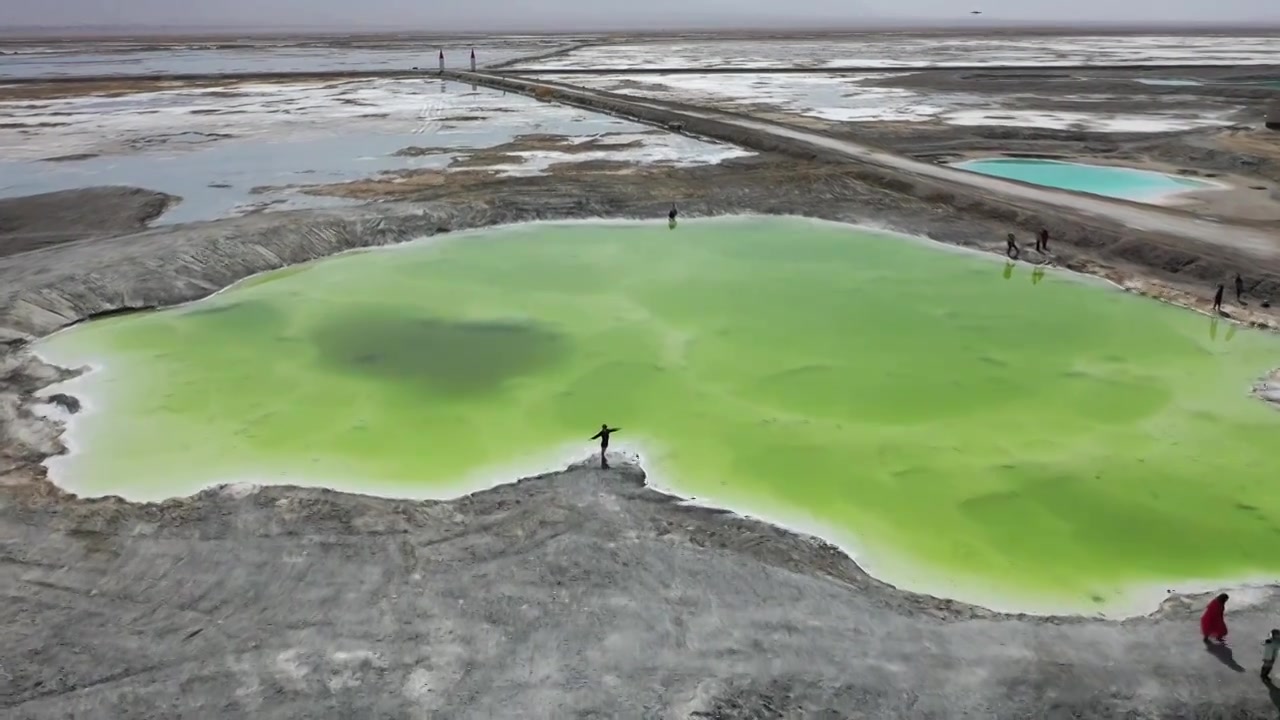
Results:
603 437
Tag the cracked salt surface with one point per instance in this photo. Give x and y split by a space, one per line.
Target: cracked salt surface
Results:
1095 122
922 51
674 150
840 98
213 146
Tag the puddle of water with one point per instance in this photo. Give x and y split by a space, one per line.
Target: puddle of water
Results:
199 175
992 430
1171 82
213 162
1117 182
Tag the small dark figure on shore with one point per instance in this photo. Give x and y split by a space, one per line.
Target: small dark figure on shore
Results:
1213 623
1011 248
603 437
1042 241
1269 655
1239 287
1217 299
671 216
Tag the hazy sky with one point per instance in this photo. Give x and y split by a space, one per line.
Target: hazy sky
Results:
569 15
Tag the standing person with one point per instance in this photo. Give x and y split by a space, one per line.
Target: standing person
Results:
1217 299
1239 288
1269 655
1042 241
671 216
1011 248
1213 623
603 437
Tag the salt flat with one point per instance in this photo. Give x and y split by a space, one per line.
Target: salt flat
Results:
236 147
890 51
125 58
863 98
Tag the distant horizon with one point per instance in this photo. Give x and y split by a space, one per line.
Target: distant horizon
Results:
875 25
496 17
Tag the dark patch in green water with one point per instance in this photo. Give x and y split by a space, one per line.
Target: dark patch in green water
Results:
445 357
244 316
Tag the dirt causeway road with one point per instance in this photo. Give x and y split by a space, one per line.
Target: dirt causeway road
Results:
578 594
1149 235
1255 242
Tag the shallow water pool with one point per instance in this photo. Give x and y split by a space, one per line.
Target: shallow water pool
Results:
964 426
1117 182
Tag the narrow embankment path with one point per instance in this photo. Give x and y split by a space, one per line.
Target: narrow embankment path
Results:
1252 242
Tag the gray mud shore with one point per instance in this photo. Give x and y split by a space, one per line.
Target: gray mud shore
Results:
579 594
575 594
36 221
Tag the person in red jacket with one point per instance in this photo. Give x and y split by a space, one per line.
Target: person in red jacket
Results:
1213 623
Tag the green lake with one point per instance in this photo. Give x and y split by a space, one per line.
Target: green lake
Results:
960 424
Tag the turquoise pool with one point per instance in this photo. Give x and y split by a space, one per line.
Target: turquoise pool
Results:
1117 182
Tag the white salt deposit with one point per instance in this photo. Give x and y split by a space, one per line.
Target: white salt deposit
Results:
1094 122
899 51
849 98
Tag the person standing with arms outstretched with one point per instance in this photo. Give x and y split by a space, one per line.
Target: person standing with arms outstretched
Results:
603 437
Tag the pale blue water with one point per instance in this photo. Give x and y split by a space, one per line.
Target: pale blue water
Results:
216 177
1117 182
